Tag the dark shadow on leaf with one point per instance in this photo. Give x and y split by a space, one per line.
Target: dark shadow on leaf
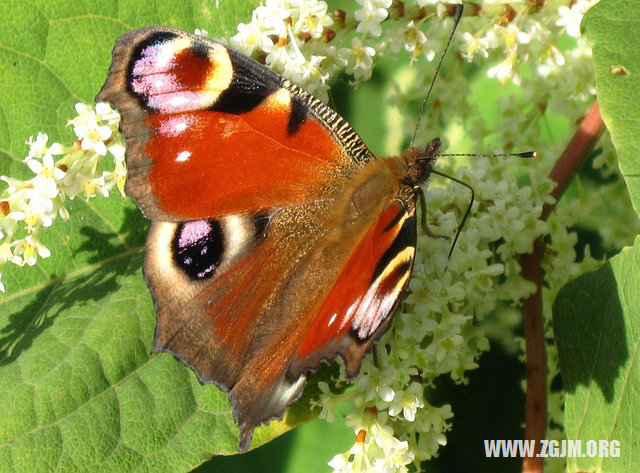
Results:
62 294
100 245
588 319
134 227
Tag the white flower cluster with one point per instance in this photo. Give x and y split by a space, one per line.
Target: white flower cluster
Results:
61 173
302 41
279 30
376 448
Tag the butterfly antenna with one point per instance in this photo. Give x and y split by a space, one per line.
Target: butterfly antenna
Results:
526 154
456 19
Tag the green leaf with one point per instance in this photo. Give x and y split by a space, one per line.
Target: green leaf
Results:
612 27
596 320
79 389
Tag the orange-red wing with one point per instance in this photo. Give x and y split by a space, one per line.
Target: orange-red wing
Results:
225 163
211 132
365 294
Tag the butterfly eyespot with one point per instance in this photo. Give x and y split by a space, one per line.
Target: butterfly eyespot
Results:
198 248
170 73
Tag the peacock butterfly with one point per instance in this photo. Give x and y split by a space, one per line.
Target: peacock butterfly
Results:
277 239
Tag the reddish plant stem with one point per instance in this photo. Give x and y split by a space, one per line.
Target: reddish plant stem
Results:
589 130
536 407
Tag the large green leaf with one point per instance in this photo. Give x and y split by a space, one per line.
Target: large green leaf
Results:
79 389
612 27
596 325
596 316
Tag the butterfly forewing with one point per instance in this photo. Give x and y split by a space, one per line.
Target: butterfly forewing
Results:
211 132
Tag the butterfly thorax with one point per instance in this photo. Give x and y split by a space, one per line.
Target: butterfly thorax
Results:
419 162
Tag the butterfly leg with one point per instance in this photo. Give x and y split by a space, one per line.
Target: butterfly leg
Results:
423 213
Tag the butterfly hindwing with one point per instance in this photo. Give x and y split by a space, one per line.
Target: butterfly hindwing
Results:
253 316
211 132
204 282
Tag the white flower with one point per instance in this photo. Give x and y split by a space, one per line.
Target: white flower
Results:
15 185
397 456
27 250
84 112
413 37
102 109
327 402
355 460
359 59
309 16
95 138
307 74
512 35
372 13
271 17
74 183
267 21
431 423
408 402
279 29
250 37
46 168
91 185
119 174
87 129
505 70
38 147
280 58
386 392
570 18
104 112
34 205
5 252
376 449
27 206
474 45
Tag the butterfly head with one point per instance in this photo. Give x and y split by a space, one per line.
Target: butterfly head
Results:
420 161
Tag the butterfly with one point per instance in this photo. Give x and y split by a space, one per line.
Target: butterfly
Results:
278 240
